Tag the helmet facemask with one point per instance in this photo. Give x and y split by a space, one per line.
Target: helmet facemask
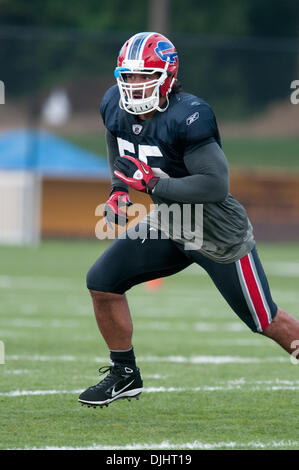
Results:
133 96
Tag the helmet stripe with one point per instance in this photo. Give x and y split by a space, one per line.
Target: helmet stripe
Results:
135 47
129 48
142 45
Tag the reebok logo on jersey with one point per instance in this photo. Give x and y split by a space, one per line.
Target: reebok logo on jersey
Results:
192 118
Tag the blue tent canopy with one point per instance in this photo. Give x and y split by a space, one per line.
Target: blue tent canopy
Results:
49 155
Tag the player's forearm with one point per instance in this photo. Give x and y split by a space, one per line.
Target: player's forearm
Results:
208 180
192 189
113 153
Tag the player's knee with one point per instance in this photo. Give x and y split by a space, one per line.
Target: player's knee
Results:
101 297
281 322
95 279
98 279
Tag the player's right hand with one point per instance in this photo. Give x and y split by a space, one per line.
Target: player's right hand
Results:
112 212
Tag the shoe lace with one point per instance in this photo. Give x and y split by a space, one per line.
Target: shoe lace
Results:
103 370
107 379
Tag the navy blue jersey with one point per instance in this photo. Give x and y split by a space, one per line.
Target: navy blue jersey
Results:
162 142
188 123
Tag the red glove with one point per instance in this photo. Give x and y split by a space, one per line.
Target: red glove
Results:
113 213
135 173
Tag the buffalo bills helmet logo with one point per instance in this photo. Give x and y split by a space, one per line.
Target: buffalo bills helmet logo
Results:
166 51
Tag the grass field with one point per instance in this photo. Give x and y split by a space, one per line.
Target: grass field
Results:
209 382
277 152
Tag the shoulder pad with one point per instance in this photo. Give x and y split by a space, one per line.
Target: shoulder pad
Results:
195 119
109 102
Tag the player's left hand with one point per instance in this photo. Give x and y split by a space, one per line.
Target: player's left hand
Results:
135 173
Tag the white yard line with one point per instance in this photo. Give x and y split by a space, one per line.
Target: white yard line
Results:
212 359
37 282
41 323
240 384
166 445
232 342
273 268
170 359
187 326
25 322
41 358
16 372
11 334
289 268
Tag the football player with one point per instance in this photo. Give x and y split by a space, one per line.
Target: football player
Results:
166 143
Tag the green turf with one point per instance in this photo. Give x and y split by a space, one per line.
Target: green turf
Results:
52 344
275 152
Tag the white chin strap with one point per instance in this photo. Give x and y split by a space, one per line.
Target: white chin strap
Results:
133 97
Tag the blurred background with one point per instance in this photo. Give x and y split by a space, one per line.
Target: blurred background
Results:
56 62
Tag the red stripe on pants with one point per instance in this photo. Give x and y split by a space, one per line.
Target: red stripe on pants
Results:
254 292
